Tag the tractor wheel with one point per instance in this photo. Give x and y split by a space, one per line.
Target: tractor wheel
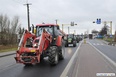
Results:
62 52
53 55
74 44
66 45
41 57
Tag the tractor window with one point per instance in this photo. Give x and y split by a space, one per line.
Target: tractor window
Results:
47 28
57 31
70 36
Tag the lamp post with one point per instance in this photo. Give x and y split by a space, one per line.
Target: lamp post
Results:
68 30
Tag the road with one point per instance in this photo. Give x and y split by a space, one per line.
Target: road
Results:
108 50
9 68
92 58
91 63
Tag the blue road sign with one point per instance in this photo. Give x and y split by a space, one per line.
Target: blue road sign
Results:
98 21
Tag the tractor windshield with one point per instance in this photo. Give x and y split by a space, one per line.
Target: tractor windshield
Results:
70 36
47 28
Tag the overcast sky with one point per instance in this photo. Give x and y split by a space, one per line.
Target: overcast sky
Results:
82 12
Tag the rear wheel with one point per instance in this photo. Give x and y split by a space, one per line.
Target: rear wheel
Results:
53 55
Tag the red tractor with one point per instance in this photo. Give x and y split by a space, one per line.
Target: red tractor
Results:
48 41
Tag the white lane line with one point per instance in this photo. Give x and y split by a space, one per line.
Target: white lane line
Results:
94 44
111 61
64 73
97 43
102 44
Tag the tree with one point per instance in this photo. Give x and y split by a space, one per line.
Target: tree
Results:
4 25
103 31
14 30
9 29
95 31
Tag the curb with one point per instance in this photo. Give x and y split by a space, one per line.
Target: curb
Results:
7 55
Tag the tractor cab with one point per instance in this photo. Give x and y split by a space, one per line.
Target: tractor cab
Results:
39 30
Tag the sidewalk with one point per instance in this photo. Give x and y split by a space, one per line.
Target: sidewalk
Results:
3 54
90 62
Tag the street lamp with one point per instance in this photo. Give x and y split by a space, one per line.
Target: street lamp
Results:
68 30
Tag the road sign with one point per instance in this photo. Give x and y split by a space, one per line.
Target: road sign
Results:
98 21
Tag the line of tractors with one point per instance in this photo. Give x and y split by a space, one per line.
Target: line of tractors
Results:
46 40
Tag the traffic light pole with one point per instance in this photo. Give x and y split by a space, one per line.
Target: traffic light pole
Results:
67 25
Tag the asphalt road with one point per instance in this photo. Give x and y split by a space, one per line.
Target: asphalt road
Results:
91 63
108 50
9 68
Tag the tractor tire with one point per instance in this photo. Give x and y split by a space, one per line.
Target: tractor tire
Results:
66 45
74 44
62 52
41 57
53 55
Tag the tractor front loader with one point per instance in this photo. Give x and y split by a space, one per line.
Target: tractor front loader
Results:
47 42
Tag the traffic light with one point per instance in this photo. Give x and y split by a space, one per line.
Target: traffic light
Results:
72 23
98 21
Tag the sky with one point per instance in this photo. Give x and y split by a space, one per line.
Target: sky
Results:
81 12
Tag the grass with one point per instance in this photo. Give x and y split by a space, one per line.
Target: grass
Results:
8 48
109 39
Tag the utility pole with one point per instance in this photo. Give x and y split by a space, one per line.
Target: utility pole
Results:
56 21
28 18
62 27
111 27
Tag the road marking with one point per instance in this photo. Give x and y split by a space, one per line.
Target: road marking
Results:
98 44
94 44
102 44
111 61
64 73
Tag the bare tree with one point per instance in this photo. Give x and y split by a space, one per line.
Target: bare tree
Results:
4 25
14 30
9 29
103 31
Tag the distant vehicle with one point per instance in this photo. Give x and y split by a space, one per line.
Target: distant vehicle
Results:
71 39
99 37
90 36
79 38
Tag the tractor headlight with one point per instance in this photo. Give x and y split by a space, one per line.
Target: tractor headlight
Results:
35 45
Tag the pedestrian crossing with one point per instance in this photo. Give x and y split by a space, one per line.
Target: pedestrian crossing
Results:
98 44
